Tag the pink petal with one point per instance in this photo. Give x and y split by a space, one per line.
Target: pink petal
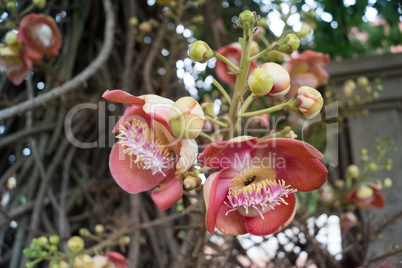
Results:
169 192
122 97
378 200
128 175
294 161
228 154
274 220
215 191
158 108
232 223
133 112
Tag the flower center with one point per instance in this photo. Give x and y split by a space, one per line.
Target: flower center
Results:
141 142
44 33
256 188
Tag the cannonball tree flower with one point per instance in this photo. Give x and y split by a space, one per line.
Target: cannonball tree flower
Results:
147 154
40 35
233 53
253 191
14 62
366 197
306 69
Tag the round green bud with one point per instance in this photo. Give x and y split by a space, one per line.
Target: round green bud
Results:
29 264
99 229
387 183
39 3
363 152
43 240
11 6
54 239
362 81
125 240
287 44
11 38
372 167
29 253
352 171
75 244
84 232
55 265
53 248
199 51
246 20
260 82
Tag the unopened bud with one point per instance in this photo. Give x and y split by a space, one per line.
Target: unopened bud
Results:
274 56
262 22
192 182
387 183
83 261
100 261
133 21
305 30
246 20
364 192
43 240
288 44
362 81
11 38
199 51
208 108
11 6
125 240
99 229
352 171
260 82
145 27
349 88
84 232
186 118
280 78
39 3
308 102
75 244
64 264
372 167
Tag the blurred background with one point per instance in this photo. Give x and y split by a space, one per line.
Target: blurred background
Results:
55 179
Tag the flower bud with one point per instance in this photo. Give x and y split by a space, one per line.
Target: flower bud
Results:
246 20
348 220
364 192
199 51
372 167
274 56
75 244
192 181
260 82
145 27
280 77
84 232
186 118
305 30
308 102
387 183
11 6
352 171
43 240
349 88
133 21
208 108
288 44
39 3
64 264
291 135
11 38
125 240
83 261
362 81
99 229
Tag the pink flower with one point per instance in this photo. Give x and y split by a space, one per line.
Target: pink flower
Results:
147 153
254 190
306 70
233 53
14 62
366 196
40 35
117 259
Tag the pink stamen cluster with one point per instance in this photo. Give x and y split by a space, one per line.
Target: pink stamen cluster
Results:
259 196
141 142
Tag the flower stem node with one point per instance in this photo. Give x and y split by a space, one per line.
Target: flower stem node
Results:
288 44
75 244
39 3
352 171
246 20
308 102
186 118
199 51
260 82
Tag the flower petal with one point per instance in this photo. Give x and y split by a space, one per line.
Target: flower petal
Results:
274 220
158 108
130 176
215 191
169 192
188 155
122 97
232 223
378 200
294 161
233 154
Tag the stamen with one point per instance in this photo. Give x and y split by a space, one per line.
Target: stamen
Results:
141 142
